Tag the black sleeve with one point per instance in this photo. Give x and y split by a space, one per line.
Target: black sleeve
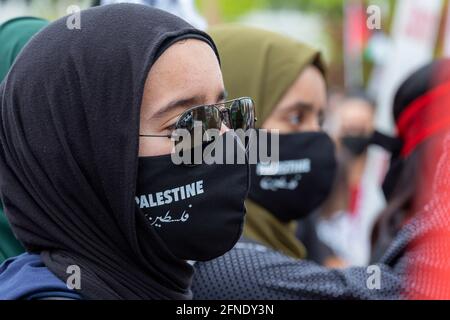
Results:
306 232
253 272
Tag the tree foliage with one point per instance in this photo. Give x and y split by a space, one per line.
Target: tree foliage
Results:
232 9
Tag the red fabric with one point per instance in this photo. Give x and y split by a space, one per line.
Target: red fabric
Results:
425 117
354 200
428 274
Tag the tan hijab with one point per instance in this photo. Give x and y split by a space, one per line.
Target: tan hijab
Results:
263 65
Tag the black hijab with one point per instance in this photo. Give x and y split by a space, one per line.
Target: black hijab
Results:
68 162
419 83
410 176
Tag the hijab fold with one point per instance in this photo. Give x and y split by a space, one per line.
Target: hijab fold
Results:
263 227
264 65
68 164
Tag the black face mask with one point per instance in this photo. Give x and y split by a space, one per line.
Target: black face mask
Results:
394 146
356 145
304 179
392 177
197 211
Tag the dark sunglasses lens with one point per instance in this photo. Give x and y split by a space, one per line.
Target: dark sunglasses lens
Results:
198 121
242 114
209 117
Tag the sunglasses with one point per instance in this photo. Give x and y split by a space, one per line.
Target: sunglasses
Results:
234 114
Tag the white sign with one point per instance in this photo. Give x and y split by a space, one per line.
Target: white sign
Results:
414 37
447 35
184 9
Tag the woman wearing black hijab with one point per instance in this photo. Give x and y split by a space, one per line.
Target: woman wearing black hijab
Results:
422 116
85 168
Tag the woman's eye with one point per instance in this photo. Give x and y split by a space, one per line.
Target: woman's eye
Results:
295 119
170 128
321 121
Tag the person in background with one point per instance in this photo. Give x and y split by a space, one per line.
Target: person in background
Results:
422 115
286 79
412 237
344 223
14 35
417 185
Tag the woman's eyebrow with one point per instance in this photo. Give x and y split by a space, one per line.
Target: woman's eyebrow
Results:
186 103
301 106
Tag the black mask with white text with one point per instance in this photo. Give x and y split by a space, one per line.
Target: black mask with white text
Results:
303 179
197 211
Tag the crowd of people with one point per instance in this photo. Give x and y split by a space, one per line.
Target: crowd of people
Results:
87 180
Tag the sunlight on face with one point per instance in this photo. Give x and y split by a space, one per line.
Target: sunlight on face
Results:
186 75
301 108
356 118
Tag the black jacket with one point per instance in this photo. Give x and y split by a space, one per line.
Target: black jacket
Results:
412 266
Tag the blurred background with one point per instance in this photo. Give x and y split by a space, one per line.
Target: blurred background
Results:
370 48
337 27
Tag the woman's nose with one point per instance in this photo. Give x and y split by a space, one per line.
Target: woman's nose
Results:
311 126
316 127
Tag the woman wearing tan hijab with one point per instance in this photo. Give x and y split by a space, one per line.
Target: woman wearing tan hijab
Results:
286 79
253 270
